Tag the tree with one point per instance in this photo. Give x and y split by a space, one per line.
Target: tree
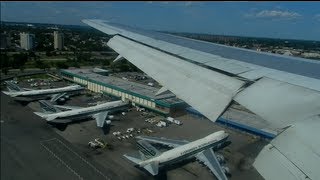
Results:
48 53
5 63
62 65
19 60
106 62
41 64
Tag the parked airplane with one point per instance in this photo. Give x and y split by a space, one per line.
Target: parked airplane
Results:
54 113
283 90
28 95
151 159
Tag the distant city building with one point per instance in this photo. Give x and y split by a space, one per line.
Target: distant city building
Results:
287 53
27 41
58 40
311 55
5 41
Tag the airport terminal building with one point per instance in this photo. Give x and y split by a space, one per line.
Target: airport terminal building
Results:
138 94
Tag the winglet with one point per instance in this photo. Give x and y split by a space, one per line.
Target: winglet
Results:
163 90
119 58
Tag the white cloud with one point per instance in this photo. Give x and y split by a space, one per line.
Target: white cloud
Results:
274 14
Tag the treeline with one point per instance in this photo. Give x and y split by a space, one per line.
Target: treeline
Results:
251 42
29 59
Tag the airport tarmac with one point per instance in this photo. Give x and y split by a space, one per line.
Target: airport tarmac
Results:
67 151
30 148
239 155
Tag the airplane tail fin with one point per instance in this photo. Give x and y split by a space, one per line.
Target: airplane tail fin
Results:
40 114
45 116
133 159
101 119
152 167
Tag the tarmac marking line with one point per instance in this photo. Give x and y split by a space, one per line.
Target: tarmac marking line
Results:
64 163
84 160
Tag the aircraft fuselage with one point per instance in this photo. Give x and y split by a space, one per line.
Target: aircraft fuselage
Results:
189 150
81 113
36 94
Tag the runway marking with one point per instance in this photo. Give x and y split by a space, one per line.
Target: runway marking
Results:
84 160
73 171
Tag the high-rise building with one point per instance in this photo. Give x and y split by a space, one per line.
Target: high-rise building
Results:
27 41
4 41
58 40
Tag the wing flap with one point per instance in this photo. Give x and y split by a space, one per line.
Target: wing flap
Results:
214 91
278 102
295 152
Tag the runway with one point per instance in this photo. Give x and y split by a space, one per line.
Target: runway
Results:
31 149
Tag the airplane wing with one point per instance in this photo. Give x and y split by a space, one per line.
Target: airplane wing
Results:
12 87
220 74
100 118
47 107
147 149
209 159
282 90
294 153
163 141
68 107
27 89
55 97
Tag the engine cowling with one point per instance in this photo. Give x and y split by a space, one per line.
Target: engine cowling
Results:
226 170
220 158
108 121
61 99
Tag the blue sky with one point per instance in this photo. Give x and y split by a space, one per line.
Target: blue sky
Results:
293 20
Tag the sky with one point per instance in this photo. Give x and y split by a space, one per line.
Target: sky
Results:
286 20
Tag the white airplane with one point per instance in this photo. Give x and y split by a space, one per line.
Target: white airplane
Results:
283 90
27 95
53 113
201 149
